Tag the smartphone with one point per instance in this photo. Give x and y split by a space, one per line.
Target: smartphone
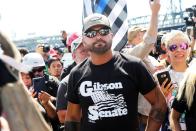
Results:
161 76
38 84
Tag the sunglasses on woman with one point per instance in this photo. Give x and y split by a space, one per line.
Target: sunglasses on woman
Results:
40 69
92 33
174 47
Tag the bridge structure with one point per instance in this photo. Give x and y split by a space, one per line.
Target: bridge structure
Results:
166 22
172 19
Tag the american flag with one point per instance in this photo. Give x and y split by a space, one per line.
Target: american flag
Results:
116 11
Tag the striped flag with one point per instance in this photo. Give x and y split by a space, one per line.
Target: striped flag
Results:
116 11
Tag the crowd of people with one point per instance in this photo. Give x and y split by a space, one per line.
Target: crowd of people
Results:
115 90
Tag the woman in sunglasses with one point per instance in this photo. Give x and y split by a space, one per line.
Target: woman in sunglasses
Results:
177 48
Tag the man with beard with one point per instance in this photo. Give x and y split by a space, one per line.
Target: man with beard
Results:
103 90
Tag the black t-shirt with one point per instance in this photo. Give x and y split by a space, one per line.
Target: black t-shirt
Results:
108 93
61 102
67 70
190 114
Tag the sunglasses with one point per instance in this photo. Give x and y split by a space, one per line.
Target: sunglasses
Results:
93 33
37 69
174 47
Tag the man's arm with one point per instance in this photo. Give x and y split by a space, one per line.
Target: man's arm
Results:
50 109
174 120
158 109
61 102
143 49
46 101
62 115
73 116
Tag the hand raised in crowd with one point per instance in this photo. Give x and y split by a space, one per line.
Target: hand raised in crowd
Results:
167 89
155 6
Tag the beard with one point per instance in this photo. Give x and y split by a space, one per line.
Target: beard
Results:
100 47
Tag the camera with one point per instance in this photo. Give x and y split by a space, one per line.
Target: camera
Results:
158 44
190 20
158 49
46 48
58 49
192 10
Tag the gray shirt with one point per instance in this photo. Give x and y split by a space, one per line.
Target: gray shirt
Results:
61 103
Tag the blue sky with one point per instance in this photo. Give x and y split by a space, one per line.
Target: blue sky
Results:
24 18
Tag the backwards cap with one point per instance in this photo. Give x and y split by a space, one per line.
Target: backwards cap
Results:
133 31
75 44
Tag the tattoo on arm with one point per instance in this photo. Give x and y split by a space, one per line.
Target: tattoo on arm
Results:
157 113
